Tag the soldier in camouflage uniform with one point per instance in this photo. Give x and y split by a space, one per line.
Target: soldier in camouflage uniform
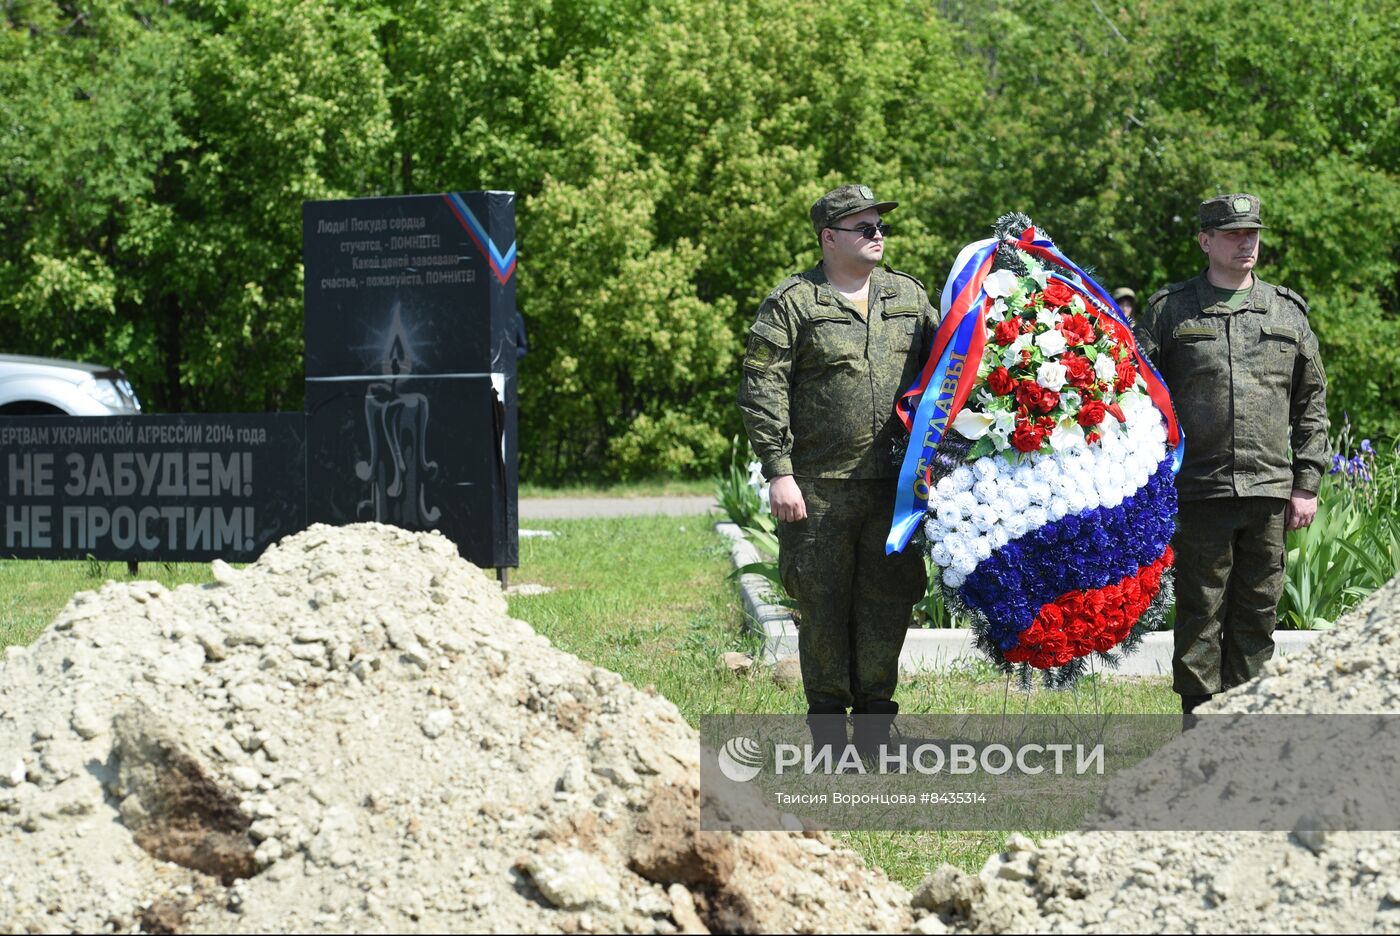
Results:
1243 368
829 353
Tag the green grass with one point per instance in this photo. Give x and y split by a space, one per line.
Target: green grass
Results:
33 591
655 487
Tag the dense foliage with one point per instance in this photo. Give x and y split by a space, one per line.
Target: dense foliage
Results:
154 156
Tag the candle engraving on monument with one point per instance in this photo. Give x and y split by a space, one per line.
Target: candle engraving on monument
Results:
397 424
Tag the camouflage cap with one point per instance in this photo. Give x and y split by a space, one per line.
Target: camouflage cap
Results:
1124 292
1230 212
846 200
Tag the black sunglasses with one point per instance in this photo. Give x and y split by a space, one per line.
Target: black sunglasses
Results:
865 230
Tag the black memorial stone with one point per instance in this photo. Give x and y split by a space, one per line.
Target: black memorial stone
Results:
410 366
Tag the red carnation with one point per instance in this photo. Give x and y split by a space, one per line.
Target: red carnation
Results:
1025 357
1027 438
1091 437
1057 294
1091 413
1105 642
1077 330
1116 412
1049 399
1001 381
1028 394
1078 370
1007 330
1127 376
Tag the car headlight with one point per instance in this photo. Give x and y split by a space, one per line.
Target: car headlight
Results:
114 393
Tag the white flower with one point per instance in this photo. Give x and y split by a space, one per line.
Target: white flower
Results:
999 537
985 468
1012 355
944 487
1077 303
1017 526
1039 491
1112 499
1047 317
997 312
1057 508
1035 516
935 529
1051 375
981 548
985 516
961 479
1041 276
1018 498
1067 435
964 562
971 424
966 502
948 513
1105 368
953 579
1003 426
999 284
940 555
1051 343
986 491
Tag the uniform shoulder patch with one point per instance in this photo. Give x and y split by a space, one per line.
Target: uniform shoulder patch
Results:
917 282
785 286
1297 300
1160 295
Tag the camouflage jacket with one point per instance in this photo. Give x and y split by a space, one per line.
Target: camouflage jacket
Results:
1248 385
819 383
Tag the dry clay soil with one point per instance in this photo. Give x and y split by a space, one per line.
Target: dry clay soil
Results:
351 734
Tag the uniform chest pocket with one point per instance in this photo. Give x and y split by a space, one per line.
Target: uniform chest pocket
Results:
1198 352
1278 346
900 323
1279 339
835 338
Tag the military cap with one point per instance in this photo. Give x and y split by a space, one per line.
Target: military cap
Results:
1123 292
1230 212
846 200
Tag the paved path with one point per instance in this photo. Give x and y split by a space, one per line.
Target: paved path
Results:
573 508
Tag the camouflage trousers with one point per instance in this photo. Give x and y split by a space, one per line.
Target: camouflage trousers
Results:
1229 578
854 600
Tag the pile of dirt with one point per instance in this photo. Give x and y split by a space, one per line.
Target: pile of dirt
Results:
1312 879
351 734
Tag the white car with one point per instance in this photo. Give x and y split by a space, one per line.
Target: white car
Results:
35 386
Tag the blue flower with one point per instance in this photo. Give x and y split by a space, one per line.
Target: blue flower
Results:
1366 447
1088 550
1337 462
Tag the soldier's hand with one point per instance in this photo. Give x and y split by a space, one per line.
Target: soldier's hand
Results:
1302 507
785 499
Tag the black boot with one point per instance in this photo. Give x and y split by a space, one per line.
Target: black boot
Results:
1188 709
872 724
828 726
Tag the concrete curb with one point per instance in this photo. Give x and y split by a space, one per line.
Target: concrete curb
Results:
926 649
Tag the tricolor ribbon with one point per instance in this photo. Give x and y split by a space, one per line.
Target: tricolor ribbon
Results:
951 370
944 384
